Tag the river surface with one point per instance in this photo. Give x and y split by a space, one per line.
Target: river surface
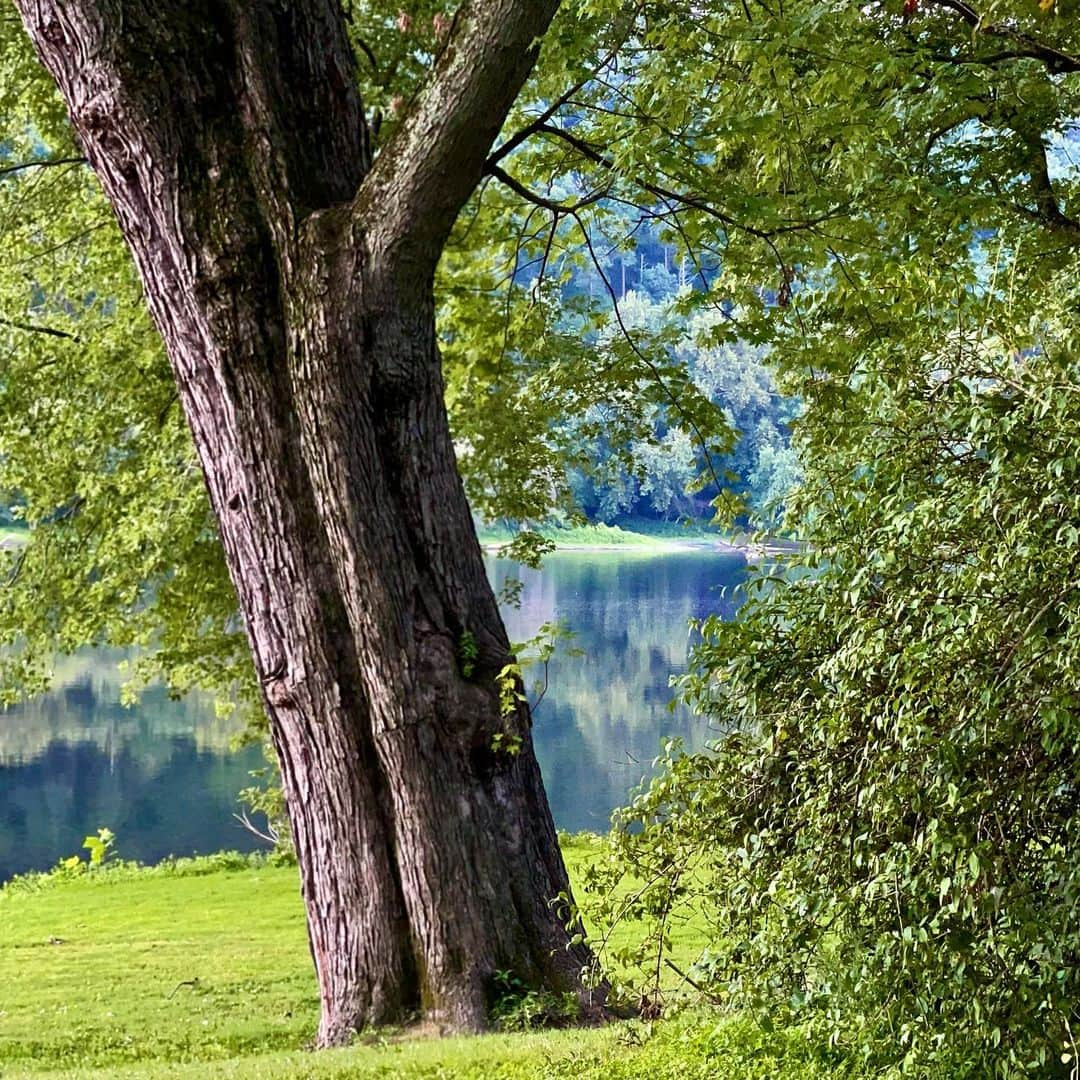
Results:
163 776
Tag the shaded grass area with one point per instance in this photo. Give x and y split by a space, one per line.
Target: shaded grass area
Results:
201 967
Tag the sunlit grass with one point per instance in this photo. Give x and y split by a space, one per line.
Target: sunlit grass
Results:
202 969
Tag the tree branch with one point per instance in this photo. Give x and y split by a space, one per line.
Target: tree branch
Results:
514 141
516 186
425 174
1047 209
30 328
509 145
1031 48
557 208
965 11
43 163
680 198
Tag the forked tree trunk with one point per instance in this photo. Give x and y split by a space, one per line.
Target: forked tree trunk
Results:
291 279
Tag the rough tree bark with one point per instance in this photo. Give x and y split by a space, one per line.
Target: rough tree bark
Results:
291 277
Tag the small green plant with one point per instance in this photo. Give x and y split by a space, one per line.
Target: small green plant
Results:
100 847
506 742
509 682
539 649
467 651
518 1008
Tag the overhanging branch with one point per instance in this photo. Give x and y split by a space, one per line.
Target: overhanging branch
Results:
40 163
685 199
557 208
1029 47
32 328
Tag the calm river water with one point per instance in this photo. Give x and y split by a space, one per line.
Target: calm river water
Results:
162 776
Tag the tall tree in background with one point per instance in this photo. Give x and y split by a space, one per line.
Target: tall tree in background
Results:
290 275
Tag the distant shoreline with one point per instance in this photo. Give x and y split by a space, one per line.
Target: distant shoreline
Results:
608 539
629 541
651 548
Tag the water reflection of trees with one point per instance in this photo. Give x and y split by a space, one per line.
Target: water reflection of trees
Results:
159 773
605 712
180 802
84 706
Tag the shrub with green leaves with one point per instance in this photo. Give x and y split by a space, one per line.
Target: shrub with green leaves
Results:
884 844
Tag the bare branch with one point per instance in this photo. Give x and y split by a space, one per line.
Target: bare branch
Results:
32 328
366 49
42 163
682 198
270 836
515 140
500 174
557 208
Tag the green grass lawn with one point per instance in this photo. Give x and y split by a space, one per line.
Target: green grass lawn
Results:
203 970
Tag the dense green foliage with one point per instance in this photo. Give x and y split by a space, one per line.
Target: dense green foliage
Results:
886 840
564 390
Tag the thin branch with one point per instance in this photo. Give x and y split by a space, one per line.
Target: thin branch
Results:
31 328
365 48
557 208
965 11
710 997
500 174
17 565
269 837
692 201
515 140
1056 61
1035 620
547 255
174 398
543 688
43 163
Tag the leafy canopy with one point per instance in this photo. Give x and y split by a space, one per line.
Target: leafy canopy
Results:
885 839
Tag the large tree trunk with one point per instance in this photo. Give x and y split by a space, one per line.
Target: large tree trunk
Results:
291 279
